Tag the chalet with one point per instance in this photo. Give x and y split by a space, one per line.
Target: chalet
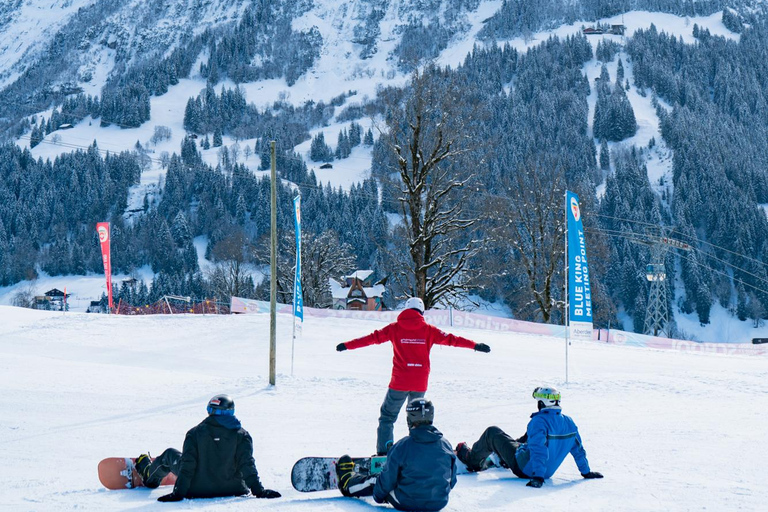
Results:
95 307
358 292
65 126
591 31
326 166
618 29
53 300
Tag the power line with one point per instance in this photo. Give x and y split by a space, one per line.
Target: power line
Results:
695 262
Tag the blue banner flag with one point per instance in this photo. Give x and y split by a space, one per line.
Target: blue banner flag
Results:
579 290
298 301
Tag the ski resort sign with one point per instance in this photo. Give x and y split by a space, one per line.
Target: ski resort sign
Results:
579 290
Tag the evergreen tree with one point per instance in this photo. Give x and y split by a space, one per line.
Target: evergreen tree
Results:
605 158
319 150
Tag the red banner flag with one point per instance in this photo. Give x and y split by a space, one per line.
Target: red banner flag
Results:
103 229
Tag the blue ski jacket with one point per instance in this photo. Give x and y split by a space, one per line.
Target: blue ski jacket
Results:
551 437
420 469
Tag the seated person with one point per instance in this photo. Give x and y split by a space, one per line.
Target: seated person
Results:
217 459
420 470
551 435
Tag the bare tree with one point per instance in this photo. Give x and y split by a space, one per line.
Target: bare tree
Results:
530 220
428 132
322 257
229 277
25 296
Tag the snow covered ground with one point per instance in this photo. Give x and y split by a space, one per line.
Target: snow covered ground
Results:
670 431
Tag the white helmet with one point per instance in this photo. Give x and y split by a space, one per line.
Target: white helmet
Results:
415 303
547 395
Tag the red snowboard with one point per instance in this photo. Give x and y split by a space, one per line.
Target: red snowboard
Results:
119 473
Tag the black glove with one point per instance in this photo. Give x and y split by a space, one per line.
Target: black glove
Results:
482 347
536 482
170 497
379 500
267 493
341 347
592 474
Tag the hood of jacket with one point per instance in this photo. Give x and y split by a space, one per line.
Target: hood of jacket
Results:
228 422
425 434
410 319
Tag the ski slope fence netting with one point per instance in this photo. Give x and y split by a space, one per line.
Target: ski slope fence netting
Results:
454 318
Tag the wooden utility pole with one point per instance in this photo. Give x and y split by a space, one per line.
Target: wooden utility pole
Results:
273 268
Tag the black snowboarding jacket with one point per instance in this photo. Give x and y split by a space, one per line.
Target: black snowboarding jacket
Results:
217 461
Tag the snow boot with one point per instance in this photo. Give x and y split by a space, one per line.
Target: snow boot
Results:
345 470
142 466
462 453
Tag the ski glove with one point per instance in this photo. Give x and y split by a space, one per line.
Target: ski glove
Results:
341 347
170 497
592 474
379 500
267 493
482 347
535 482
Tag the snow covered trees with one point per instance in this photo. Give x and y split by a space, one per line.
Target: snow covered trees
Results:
614 118
319 151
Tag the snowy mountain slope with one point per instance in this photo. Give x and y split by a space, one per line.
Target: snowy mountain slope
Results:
341 69
25 27
665 428
125 30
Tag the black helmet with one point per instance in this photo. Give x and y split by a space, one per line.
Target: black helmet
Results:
420 412
221 405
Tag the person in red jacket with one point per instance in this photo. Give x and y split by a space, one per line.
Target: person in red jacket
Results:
412 339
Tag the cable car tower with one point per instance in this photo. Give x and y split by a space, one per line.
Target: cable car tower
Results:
657 313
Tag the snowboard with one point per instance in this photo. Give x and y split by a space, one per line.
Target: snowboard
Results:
312 474
119 473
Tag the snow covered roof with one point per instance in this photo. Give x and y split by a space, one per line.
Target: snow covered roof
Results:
359 274
338 291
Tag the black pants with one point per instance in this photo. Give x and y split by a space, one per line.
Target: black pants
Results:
495 440
168 462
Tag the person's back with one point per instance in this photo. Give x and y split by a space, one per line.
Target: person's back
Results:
420 471
214 457
551 437
217 459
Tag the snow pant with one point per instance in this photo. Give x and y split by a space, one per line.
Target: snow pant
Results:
393 402
168 462
495 440
359 486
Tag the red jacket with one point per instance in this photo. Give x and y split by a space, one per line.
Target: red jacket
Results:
412 339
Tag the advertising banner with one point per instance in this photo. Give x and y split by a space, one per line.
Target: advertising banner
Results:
579 290
104 237
298 301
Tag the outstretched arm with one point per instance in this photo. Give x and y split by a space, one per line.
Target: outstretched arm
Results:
375 338
443 338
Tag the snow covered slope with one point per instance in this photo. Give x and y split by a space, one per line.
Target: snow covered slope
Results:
670 431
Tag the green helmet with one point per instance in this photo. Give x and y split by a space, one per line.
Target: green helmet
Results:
547 395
